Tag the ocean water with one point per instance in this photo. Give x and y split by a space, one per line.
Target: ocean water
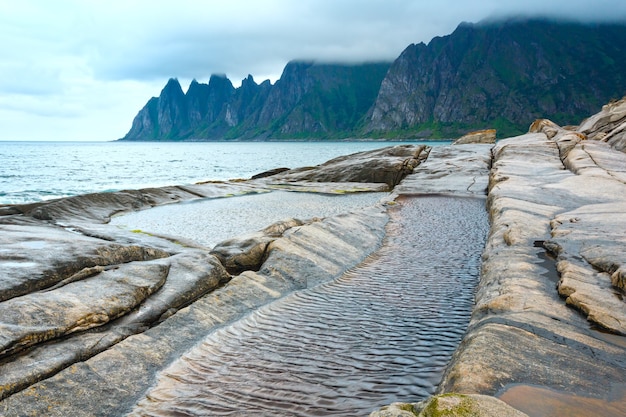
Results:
36 171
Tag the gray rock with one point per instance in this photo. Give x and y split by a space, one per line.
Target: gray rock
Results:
111 382
535 198
458 170
247 253
387 165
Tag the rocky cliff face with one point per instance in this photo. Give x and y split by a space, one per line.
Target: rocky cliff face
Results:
319 100
502 74
489 75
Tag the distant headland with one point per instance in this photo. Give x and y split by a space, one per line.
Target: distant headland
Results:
496 74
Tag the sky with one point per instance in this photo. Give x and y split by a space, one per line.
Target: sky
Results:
81 69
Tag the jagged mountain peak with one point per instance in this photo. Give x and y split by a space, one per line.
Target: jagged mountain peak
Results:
499 74
502 74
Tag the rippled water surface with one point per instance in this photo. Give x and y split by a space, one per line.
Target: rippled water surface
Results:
381 333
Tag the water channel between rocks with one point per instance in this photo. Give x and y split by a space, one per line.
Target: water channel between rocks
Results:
383 332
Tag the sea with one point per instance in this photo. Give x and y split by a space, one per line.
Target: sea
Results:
38 171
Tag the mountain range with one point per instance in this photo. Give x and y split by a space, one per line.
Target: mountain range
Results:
493 74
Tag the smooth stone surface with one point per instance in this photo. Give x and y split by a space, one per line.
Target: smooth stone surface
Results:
455 170
521 330
76 306
247 253
36 256
451 405
608 125
110 382
387 165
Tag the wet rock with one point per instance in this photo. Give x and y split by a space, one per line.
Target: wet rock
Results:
458 170
110 383
481 136
387 165
541 186
247 253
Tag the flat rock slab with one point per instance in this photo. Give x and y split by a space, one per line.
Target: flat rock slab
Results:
190 275
35 256
387 165
455 169
522 331
77 306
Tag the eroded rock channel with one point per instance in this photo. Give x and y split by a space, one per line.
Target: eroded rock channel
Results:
383 332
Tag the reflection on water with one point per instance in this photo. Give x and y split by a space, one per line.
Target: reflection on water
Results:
381 333
543 402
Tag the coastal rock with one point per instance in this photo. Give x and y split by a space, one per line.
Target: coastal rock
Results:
480 136
76 306
247 253
190 276
37 256
99 207
609 125
460 405
457 170
268 173
387 165
451 405
545 190
115 378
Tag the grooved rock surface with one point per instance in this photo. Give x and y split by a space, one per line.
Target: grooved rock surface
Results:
456 170
388 165
552 189
110 383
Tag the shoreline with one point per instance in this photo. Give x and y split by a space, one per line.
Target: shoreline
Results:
547 186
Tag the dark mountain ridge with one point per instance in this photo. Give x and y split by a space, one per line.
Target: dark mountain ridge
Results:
496 74
503 74
309 99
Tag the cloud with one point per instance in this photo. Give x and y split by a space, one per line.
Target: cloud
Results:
89 66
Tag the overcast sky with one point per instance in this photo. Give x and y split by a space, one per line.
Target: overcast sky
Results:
81 70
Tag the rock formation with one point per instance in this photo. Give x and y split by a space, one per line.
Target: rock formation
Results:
92 313
480 136
503 74
309 100
498 74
